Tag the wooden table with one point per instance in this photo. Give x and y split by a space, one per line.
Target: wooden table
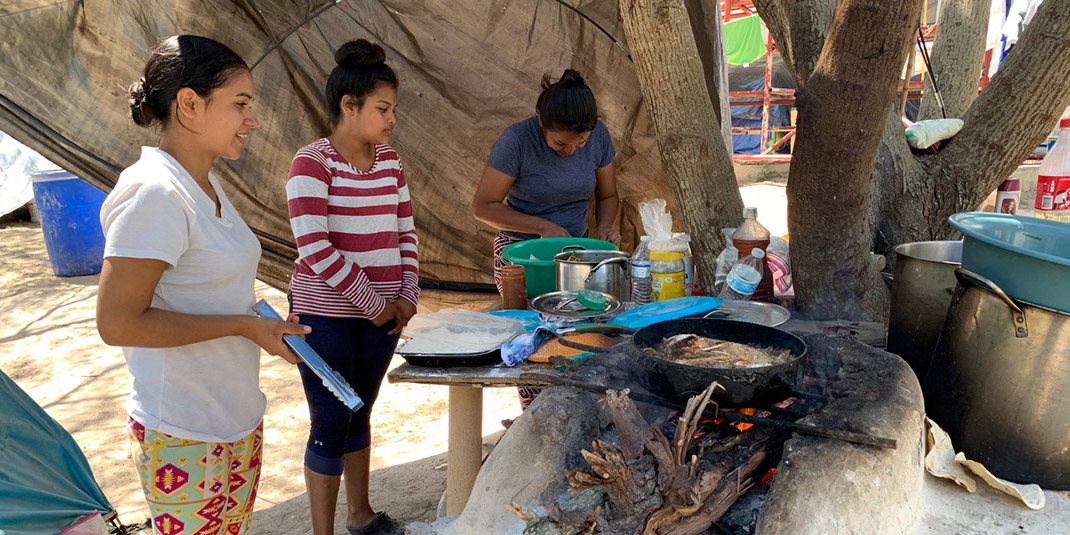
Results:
464 453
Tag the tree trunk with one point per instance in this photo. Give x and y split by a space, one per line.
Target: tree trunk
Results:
957 56
695 156
706 26
851 90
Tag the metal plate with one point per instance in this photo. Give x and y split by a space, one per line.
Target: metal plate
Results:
564 304
758 312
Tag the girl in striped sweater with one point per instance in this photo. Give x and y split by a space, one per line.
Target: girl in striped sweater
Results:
355 280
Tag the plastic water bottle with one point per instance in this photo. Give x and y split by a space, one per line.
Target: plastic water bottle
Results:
639 266
744 277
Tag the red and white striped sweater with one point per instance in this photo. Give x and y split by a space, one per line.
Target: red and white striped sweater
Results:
356 239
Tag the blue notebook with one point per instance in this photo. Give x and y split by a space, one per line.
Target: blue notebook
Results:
681 307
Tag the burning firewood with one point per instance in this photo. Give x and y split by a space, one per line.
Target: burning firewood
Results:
540 525
654 487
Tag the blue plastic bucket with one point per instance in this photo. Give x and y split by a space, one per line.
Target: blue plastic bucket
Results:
69 210
1027 258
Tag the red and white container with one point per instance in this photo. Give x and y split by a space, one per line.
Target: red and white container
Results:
1053 180
1008 195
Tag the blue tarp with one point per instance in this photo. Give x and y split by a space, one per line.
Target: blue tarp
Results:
45 479
752 78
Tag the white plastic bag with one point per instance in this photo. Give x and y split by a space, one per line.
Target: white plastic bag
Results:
657 222
726 259
923 134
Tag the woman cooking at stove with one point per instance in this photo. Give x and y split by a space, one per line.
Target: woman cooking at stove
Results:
542 172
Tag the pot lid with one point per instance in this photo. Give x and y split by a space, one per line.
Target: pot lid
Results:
589 256
565 304
758 312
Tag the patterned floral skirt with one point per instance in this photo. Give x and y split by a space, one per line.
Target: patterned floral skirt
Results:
197 488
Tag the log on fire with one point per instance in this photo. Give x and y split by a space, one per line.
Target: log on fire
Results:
655 487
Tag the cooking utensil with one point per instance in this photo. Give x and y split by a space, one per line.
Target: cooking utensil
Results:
922 286
757 312
456 338
331 378
537 257
1028 258
604 271
999 383
564 304
743 387
454 360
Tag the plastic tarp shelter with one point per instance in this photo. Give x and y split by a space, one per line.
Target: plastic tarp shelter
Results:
17 161
45 479
467 70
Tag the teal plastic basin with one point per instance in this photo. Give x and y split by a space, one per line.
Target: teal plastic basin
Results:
1028 258
537 257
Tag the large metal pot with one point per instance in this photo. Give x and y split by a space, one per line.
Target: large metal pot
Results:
999 384
921 292
604 271
742 387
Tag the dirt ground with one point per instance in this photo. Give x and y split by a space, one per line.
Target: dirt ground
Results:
49 346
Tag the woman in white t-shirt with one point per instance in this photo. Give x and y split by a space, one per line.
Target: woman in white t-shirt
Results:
176 292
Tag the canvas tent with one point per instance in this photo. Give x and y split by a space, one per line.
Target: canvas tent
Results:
468 69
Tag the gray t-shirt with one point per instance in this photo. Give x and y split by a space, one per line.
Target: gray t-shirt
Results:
548 185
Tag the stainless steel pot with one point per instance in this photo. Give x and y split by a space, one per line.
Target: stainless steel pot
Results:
999 384
922 285
604 271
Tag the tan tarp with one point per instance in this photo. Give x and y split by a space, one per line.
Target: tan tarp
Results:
468 69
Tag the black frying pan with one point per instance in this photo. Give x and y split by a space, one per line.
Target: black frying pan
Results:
452 361
743 387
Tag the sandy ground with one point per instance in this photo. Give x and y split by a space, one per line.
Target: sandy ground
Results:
49 346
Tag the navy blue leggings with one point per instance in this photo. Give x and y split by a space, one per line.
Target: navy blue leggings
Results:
361 353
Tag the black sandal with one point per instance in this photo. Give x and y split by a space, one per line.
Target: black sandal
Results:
380 525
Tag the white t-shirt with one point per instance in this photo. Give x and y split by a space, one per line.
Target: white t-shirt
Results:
208 391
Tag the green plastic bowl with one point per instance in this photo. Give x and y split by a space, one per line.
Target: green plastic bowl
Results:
537 257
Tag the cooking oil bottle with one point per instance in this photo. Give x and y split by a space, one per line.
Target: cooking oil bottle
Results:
749 236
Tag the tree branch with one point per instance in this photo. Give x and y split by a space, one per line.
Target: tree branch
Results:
799 30
1012 115
957 56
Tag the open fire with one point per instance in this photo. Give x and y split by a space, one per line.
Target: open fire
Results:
606 455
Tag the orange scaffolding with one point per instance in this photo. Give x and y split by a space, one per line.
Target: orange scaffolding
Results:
772 96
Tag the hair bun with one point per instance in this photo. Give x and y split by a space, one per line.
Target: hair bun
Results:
571 77
360 53
140 112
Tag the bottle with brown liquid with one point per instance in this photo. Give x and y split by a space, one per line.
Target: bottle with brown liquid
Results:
752 235
514 287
